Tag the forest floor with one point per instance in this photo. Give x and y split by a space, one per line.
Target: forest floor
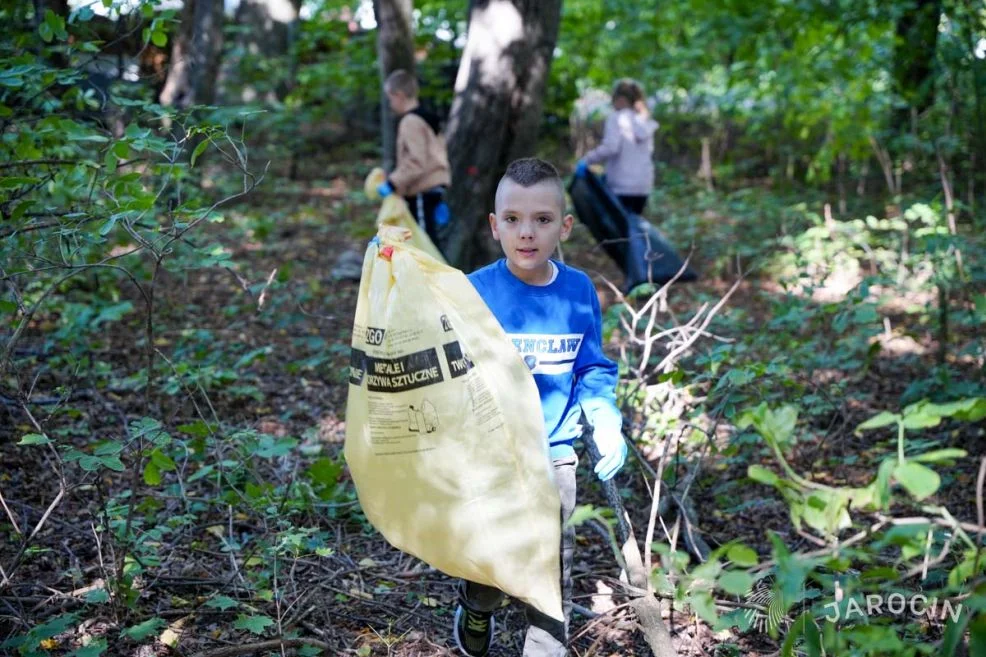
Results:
360 596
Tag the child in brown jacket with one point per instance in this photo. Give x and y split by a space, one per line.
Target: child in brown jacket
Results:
421 174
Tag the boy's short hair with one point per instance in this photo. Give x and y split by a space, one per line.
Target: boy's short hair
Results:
628 89
402 81
530 171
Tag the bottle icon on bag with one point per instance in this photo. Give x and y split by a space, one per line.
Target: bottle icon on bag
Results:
424 419
412 419
429 416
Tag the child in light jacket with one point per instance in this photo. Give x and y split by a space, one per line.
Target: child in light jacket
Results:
627 148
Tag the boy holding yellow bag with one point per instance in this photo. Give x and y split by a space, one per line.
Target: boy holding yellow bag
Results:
421 174
551 314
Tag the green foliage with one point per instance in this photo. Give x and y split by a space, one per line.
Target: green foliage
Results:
102 212
789 89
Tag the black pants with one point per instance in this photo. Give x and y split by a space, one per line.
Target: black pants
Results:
634 204
423 208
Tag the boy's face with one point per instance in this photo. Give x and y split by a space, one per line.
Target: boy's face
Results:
529 224
398 101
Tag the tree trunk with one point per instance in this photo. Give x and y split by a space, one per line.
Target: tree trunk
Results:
497 109
195 55
395 50
914 58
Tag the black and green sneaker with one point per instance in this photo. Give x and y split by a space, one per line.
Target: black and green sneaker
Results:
473 632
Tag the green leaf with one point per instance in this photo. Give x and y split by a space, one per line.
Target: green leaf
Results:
152 474
704 575
253 355
141 631
255 624
113 463
582 513
879 574
199 429
222 602
804 627
90 463
46 32
704 606
921 420
762 475
270 447
880 420
54 627
7 306
198 151
780 424
741 619
325 471
83 14
826 510
145 425
742 555
163 461
736 582
54 21
11 182
107 448
776 427
159 38
96 139
34 439
953 634
973 411
96 648
110 161
98 596
105 229
113 313
204 471
919 480
939 455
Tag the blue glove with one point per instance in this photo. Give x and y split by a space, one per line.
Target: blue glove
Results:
612 453
442 214
581 168
385 190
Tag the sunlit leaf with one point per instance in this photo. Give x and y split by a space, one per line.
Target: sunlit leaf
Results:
919 480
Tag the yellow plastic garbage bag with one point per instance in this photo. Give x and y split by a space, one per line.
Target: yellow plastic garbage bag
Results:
444 430
394 212
373 180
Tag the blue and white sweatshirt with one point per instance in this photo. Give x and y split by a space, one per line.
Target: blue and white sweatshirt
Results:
557 328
